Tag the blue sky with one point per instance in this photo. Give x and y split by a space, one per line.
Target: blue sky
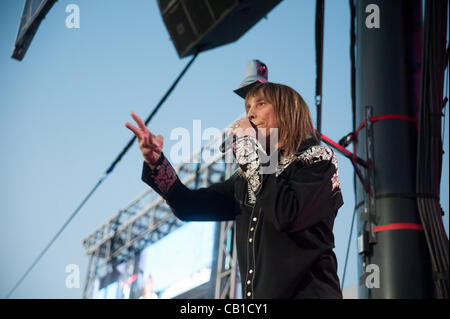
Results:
63 109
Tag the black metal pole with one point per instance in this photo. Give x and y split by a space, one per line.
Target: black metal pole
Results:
393 261
320 9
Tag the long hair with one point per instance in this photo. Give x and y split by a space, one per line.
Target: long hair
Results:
293 117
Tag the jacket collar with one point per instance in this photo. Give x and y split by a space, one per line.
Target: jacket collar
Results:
307 143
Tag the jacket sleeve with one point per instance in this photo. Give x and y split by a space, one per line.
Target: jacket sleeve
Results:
213 203
310 194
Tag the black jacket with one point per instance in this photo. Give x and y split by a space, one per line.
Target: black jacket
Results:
284 221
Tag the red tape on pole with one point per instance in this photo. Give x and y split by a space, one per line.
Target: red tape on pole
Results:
397 226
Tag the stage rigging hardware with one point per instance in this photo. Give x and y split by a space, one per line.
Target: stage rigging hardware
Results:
401 244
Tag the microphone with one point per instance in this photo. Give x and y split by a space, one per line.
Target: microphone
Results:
228 143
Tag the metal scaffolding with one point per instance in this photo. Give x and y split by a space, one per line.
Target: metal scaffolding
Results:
148 219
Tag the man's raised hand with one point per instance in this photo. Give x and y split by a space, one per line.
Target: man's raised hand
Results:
150 145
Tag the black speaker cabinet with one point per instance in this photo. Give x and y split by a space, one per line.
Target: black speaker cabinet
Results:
200 25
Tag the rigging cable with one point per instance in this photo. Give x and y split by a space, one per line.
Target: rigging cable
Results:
353 83
429 147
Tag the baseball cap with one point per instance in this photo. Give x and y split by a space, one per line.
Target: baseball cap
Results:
255 72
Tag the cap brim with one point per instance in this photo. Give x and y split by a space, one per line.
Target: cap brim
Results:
242 92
